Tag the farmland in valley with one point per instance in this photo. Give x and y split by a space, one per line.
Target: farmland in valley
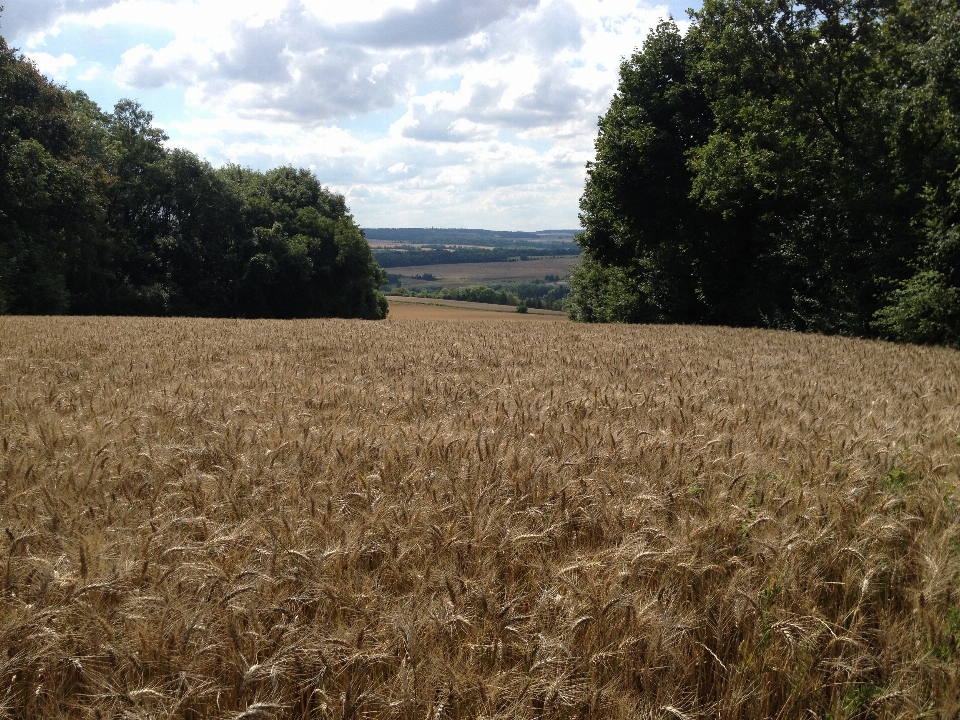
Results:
395 247
424 519
461 274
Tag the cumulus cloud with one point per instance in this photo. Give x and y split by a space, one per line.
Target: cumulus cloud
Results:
296 67
27 17
143 67
54 67
432 22
484 111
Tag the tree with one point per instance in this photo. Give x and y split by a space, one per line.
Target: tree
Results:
97 215
926 307
636 209
50 212
815 173
800 160
301 253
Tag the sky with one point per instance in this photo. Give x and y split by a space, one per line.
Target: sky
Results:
423 113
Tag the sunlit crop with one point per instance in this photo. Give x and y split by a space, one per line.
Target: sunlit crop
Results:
346 519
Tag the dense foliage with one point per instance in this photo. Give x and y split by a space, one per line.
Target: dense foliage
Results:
783 165
98 217
536 294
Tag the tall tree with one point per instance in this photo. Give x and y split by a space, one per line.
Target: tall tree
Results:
301 253
636 209
800 159
926 306
97 215
49 206
816 188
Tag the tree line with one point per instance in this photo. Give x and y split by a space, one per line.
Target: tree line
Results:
783 165
97 216
536 294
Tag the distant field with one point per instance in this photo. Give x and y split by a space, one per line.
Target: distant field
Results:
399 245
498 518
484 273
465 237
404 308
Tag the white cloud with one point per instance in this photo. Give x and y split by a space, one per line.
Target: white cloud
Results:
54 67
91 73
38 18
421 111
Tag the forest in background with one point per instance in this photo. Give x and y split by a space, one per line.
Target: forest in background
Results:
782 165
97 217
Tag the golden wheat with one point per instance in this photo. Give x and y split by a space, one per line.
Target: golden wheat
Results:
339 519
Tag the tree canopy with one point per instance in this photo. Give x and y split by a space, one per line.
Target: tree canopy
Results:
98 216
783 165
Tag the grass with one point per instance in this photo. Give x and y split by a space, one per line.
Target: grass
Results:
416 519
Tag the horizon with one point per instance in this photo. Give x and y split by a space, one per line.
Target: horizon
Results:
477 229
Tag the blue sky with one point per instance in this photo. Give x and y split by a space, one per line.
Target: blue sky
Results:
443 113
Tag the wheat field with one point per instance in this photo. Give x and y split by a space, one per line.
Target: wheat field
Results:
474 519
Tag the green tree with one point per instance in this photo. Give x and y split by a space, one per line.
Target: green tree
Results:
801 161
636 209
813 185
136 159
301 251
51 216
926 307
98 216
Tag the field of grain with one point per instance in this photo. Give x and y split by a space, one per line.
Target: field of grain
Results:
414 308
415 519
460 274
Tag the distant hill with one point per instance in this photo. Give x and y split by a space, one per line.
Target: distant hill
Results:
468 236
439 246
